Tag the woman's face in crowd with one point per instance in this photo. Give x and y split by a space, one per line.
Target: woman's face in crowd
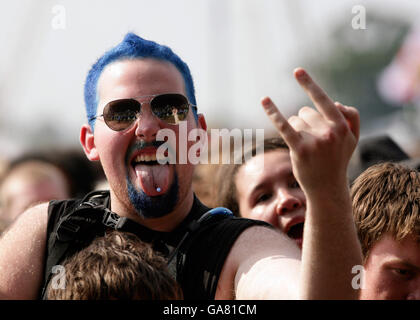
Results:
267 190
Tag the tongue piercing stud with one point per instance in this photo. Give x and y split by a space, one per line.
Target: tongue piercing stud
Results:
158 189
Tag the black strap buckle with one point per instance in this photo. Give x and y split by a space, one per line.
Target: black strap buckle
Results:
111 219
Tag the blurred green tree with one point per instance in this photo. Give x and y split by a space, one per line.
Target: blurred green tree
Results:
350 72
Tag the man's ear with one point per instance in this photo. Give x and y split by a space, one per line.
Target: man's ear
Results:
202 121
87 140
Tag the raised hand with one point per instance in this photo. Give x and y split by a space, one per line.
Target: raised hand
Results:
321 141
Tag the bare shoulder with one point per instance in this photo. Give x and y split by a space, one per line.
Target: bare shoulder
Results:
22 251
32 220
258 255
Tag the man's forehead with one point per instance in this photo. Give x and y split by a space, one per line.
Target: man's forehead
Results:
124 67
404 249
125 73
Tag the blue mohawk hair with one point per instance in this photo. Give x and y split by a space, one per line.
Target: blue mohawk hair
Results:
133 47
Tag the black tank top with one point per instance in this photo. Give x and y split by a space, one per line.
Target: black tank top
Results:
200 259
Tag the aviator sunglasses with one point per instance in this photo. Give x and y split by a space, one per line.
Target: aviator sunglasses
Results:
121 114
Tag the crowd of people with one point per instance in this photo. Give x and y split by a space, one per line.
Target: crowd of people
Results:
291 222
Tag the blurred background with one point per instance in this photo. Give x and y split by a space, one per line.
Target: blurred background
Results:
363 53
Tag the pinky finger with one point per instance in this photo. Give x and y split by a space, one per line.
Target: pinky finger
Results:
352 116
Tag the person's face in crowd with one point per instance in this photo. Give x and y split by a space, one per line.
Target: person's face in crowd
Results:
22 189
119 151
267 190
392 270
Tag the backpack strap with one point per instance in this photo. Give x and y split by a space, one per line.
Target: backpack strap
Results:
177 258
196 224
75 228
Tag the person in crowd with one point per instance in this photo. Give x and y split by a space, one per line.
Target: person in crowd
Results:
28 183
39 176
386 207
259 189
131 95
264 188
117 266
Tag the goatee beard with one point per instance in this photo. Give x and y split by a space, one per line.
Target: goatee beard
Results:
153 207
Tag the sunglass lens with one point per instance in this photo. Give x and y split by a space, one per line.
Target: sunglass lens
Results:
121 114
171 108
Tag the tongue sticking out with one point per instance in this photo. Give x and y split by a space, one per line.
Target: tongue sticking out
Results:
153 179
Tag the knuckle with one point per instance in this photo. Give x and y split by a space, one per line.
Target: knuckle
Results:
304 110
354 111
328 136
341 128
335 132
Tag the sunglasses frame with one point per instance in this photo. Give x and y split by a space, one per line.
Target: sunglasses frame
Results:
152 96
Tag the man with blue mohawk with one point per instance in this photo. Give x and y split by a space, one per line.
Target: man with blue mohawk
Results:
132 93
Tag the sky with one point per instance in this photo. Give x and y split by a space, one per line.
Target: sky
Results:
238 51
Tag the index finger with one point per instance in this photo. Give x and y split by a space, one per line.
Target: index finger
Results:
289 135
320 99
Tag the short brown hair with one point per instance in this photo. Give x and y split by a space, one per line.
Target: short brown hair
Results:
117 266
386 200
225 188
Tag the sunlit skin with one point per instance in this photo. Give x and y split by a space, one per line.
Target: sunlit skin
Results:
392 270
127 79
268 191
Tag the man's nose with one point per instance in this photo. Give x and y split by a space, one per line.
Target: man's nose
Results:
147 125
287 202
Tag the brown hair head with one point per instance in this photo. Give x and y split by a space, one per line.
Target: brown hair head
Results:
117 266
386 200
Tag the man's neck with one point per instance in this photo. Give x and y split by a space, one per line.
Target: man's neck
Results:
165 224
